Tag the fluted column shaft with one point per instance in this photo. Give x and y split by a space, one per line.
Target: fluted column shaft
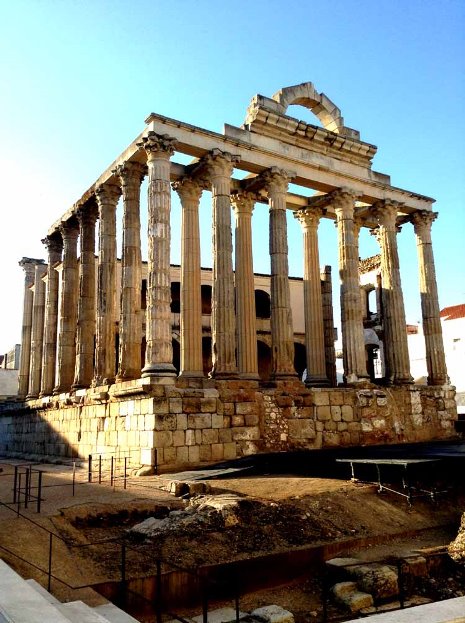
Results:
131 175
37 333
105 356
189 193
282 333
432 329
66 358
247 360
159 350
219 167
328 323
85 333
313 307
353 342
55 249
28 265
395 334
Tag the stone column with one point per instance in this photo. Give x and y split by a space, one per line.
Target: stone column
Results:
85 348
313 307
189 193
282 333
37 333
54 246
131 175
159 350
243 204
395 333
432 329
219 167
28 265
105 346
66 358
353 342
328 323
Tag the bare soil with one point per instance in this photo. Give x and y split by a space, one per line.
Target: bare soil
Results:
278 514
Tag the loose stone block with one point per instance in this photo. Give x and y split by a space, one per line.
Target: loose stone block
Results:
273 614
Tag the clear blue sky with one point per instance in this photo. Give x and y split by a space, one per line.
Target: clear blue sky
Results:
79 78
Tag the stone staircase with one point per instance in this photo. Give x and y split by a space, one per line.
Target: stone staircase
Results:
26 601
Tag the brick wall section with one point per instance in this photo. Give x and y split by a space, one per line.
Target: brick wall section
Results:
178 426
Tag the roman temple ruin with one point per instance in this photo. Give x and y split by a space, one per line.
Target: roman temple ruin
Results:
181 365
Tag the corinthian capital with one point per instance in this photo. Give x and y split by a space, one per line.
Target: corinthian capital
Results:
219 163
54 244
130 173
28 264
158 144
69 230
243 202
343 200
107 194
385 212
276 180
309 218
87 214
188 189
422 221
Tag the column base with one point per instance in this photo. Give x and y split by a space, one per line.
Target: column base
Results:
317 381
32 396
159 369
191 374
435 381
223 375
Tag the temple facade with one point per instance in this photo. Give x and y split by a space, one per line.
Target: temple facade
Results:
114 352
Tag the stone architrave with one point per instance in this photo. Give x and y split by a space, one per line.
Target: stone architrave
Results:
85 333
131 175
219 166
353 342
189 192
395 334
314 328
159 349
276 184
328 323
28 265
105 344
243 205
66 356
54 246
37 333
432 329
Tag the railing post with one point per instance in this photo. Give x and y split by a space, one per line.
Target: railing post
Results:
89 469
123 562
18 500
125 470
26 487
15 484
111 470
204 600
400 580
49 583
39 491
99 469
158 597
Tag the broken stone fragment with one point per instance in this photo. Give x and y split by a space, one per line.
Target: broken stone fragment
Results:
273 614
348 595
381 581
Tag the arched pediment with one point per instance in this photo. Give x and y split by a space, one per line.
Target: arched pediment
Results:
306 95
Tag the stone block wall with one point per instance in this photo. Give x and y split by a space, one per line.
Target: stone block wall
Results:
177 426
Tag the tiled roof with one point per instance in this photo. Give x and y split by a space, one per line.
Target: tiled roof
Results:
454 312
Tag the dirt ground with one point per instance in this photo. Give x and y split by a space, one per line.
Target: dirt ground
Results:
278 514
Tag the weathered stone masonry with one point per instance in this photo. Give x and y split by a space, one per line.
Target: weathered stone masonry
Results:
81 395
